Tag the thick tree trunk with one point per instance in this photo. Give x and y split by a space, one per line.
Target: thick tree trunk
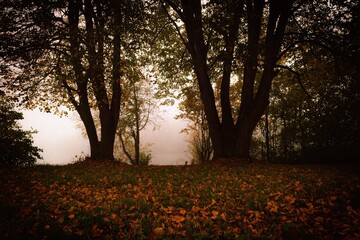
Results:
229 139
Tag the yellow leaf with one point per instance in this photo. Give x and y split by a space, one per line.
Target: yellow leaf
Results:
223 216
71 216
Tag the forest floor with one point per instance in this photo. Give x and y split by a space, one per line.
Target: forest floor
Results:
93 200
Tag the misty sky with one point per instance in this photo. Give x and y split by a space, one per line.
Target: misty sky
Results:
61 140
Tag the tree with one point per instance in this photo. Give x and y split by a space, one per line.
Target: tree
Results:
258 46
67 52
16 145
316 120
249 42
199 141
136 113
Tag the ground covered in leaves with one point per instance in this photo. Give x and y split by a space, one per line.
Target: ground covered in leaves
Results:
111 201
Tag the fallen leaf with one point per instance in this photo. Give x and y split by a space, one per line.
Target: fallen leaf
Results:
290 199
159 231
214 214
177 218
182 211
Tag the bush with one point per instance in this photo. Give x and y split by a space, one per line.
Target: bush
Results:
16 145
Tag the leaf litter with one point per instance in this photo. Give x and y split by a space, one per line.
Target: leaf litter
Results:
97 201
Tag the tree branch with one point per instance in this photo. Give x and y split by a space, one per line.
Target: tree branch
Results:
173 21
297 78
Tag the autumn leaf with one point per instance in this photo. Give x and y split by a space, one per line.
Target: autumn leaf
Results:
214 214
182 211
298 186
195 209
159 231
61 219
71 216
290 199
113 216
272 207
177 218
333 198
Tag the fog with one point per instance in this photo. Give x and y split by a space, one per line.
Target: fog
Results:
62 141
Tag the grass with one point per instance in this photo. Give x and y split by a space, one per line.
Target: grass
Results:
92 200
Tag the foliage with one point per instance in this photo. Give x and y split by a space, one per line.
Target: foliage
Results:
312 114
199 141
199 144
16 145
109 200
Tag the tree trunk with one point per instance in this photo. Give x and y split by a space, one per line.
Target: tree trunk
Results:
229 139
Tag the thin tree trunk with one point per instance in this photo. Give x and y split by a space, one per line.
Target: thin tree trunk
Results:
267 139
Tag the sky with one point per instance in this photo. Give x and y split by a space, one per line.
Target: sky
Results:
62 141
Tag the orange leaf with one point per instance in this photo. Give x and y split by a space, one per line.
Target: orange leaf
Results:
71 209
214 213
290 199
195 209
177 218
272 207
159 231
113 216
71 216
182 211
